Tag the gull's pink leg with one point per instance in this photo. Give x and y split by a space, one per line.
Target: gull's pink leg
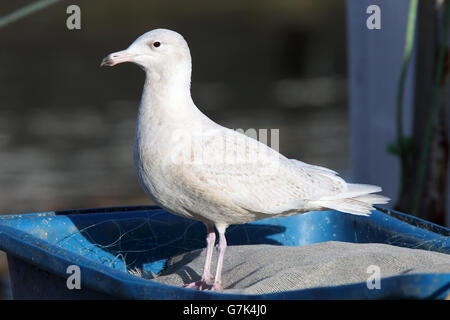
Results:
221 248
210 240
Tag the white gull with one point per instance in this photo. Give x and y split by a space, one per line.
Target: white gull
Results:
195 168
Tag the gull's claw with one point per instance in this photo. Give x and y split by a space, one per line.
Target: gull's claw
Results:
216 286
198 285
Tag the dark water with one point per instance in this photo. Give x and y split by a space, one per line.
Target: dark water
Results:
82 157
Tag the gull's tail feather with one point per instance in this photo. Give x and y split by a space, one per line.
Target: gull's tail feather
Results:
352 206
358 199
373 199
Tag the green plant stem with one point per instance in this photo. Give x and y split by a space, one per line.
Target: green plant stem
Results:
25 11
409 42
431 114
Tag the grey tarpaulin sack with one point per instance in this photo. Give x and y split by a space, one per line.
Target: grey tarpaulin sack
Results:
255 269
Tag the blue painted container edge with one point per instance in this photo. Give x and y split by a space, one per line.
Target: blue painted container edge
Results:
104 279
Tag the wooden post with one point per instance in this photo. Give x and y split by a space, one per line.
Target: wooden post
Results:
374 67
374 62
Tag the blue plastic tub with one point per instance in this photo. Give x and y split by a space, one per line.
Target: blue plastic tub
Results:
105 242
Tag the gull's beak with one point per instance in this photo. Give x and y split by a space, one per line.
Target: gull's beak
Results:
116 58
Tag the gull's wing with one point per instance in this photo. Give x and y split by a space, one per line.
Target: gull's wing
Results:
231 168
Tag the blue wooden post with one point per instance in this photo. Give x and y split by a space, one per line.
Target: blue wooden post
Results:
374 62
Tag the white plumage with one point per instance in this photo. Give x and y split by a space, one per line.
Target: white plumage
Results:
195 168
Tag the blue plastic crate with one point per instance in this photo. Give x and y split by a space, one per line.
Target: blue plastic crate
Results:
105 242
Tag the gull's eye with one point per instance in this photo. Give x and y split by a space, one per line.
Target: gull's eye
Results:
156 44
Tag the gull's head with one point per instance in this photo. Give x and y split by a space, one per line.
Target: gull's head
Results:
159 51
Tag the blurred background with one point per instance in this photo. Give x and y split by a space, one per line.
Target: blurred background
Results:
67 125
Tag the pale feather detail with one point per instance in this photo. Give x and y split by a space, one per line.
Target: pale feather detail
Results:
263 182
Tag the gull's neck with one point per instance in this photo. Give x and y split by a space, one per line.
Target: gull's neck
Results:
166 97
167 103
